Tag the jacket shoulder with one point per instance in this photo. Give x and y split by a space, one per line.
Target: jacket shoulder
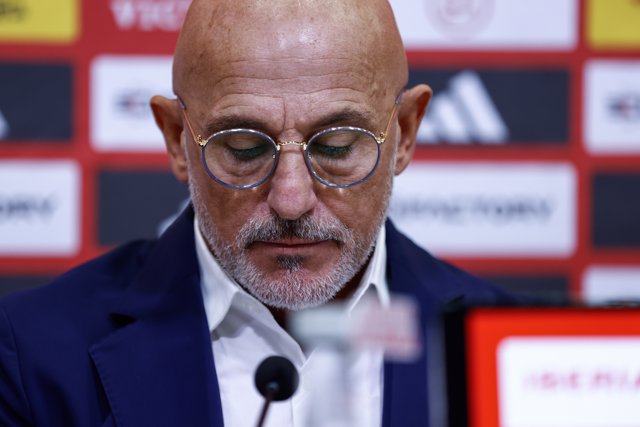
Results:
89 284
436 278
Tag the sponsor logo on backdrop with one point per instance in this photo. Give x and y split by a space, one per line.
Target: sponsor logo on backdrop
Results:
613 24
149 15
478 208
37 20
625 106
612 110
460 18
487 24
462 113
26 207
121 87
488 209
490 107
606 284
569 381
36 105
39 208
12 10
134 103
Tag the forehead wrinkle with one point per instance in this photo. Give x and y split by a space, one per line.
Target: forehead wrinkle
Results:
288 59
336 113
290 87
241 113
288 73
291 75
328 114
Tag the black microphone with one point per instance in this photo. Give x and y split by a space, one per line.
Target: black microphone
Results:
276 379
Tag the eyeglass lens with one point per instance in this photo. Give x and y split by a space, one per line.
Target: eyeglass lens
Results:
343 157
239 158
338 157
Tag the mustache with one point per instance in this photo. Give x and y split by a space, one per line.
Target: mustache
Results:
273 228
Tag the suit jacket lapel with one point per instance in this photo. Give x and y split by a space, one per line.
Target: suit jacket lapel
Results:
406 385
157 367
161 350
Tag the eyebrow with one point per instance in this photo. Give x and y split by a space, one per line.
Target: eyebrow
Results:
221 123
345 117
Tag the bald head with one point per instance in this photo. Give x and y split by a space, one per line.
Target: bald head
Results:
246 33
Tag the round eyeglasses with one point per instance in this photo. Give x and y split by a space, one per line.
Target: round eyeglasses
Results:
338 157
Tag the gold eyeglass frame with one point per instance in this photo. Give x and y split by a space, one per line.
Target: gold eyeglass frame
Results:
380 138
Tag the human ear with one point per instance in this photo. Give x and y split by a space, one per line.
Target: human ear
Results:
412 108
169 120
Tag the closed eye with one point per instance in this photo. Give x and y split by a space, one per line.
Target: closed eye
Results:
246 154
330 151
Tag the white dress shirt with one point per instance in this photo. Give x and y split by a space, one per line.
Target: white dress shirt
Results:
244 332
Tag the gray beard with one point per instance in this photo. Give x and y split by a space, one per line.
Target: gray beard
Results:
293 290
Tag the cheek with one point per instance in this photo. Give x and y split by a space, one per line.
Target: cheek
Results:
227 209
361 207
230 209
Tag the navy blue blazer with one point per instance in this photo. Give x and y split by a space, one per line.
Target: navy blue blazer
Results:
123 340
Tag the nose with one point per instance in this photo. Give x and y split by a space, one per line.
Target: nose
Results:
291 192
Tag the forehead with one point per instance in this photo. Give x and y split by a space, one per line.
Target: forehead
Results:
295 78
290 91
299 61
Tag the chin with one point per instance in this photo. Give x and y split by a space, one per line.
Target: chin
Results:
294 287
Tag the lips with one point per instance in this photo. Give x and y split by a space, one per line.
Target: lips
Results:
290 246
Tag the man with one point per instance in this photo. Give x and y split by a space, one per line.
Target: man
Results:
290 121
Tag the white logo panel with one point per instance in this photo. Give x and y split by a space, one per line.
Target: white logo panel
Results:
487 24
569 382
39 208
612 106
605 284
121 87
488 209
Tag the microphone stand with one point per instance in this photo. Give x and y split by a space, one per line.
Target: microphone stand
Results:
272 390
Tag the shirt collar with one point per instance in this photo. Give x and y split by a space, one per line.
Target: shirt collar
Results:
218 287
220 290
375 277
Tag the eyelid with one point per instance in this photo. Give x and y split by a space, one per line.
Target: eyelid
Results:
234 130
232 123
336 128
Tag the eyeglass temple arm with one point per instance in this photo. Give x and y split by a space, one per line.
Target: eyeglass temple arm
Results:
196 137
396 105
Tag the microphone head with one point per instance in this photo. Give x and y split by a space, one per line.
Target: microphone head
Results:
277 378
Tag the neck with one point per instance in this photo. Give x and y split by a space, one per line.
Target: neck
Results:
281 314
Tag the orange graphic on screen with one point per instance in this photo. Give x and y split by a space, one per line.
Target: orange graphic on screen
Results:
563 358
